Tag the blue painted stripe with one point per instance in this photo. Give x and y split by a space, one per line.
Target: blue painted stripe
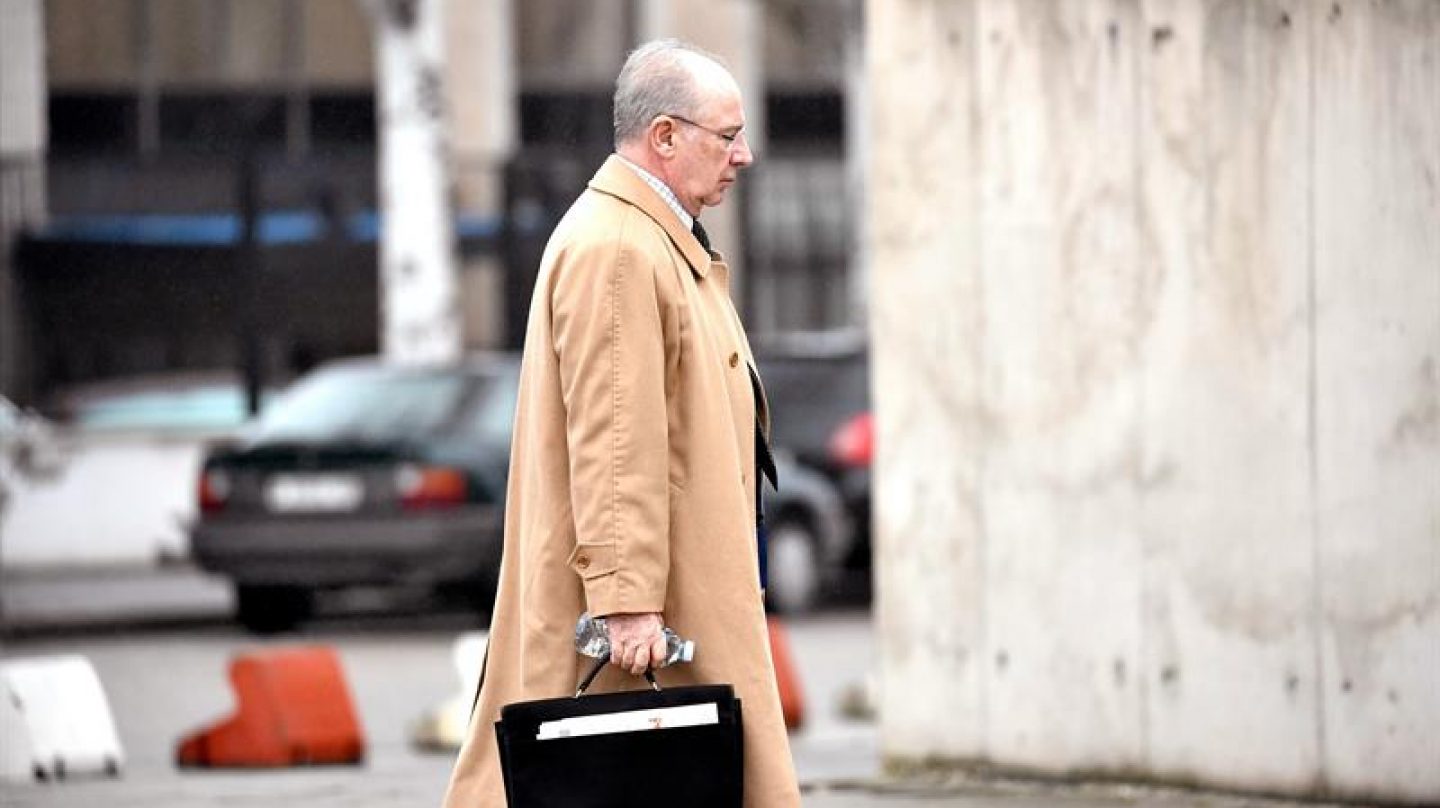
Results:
220 229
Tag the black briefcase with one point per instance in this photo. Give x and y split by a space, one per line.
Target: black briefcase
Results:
676 746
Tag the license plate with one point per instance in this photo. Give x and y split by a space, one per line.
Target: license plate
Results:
314 494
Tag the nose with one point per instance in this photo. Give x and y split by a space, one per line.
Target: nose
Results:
740 154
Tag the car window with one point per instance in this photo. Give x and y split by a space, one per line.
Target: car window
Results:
491 415
199 408
9 417
366 404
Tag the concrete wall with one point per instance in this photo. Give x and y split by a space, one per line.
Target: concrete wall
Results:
1155 296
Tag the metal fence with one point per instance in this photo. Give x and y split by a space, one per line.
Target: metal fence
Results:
800 226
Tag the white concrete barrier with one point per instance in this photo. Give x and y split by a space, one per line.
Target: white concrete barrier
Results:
442 728
55 721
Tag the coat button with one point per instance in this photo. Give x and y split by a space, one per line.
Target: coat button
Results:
734 360
583 562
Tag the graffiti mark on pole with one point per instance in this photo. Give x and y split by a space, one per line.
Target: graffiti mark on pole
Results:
429 93
403 13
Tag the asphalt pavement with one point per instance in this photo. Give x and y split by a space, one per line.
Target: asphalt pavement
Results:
161 640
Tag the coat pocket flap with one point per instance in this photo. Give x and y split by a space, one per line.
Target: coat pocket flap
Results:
592 560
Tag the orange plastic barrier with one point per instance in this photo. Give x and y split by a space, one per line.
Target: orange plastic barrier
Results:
294 709
792 700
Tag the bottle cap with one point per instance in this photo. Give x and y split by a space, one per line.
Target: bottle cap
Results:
687 651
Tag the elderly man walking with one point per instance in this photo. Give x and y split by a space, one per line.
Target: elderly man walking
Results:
640 437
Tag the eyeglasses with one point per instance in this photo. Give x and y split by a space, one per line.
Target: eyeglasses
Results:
729 139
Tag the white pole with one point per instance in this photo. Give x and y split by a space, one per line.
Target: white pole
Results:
419 309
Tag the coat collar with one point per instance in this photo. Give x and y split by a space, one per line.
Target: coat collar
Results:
618 180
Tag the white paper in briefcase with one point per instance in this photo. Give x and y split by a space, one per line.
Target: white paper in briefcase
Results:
690 715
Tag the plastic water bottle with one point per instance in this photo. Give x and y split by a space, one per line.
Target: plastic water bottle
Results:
592 639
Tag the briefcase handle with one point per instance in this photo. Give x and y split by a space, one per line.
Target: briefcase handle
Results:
600 665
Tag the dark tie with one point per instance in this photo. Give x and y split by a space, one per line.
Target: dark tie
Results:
764 468
700 234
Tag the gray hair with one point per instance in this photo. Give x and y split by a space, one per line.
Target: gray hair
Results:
655 81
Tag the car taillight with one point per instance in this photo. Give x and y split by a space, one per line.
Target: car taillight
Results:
214 491
853 444
431 486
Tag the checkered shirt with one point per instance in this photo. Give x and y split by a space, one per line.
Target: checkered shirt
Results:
664 191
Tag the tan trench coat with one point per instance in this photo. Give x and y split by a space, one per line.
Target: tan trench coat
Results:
632 485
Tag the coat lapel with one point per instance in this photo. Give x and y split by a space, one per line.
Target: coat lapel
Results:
620 181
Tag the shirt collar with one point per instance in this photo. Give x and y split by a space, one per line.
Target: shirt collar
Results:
664 191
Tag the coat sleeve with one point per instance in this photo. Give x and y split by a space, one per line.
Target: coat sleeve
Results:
608 339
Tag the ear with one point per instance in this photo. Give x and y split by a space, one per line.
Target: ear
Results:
662 134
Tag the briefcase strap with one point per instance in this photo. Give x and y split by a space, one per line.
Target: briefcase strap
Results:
484 663
599 666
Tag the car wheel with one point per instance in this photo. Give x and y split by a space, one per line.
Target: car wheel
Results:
794 568
268 609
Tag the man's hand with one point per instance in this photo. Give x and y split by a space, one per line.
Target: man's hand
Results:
636 640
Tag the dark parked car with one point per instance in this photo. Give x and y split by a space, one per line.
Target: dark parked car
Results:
820 420
362 474
810 536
